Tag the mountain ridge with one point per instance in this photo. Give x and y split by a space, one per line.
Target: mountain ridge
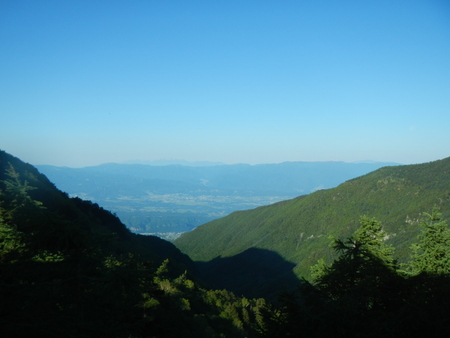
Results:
56 201
298 229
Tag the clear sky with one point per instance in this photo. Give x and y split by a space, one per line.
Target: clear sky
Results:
88 82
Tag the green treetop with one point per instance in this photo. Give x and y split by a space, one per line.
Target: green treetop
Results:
432 253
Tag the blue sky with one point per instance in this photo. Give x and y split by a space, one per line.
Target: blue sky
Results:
89 82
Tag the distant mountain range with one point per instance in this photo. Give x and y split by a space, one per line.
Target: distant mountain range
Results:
169 199
175 162
254 252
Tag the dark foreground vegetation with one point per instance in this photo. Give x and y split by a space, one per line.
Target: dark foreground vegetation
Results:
365 293
71 269
68 268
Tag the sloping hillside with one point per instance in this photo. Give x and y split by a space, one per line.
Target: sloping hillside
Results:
298 230
71 269
89 217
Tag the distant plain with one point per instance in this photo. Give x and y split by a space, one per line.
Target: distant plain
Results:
167 200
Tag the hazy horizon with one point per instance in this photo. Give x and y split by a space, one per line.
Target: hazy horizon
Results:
88 82
164 162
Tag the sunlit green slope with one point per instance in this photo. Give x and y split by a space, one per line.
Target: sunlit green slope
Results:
299 229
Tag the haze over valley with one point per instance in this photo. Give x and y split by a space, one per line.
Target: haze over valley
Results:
167 200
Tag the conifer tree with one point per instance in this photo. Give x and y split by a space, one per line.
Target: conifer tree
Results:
364 259
432 254
16 193
352 295
10 241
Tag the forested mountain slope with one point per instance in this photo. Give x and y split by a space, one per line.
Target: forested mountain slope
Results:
71 269
61 210
298 230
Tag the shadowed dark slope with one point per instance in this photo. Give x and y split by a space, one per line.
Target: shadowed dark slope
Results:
253 273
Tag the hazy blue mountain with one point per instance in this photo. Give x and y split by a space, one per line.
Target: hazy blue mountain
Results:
170 199
175 162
